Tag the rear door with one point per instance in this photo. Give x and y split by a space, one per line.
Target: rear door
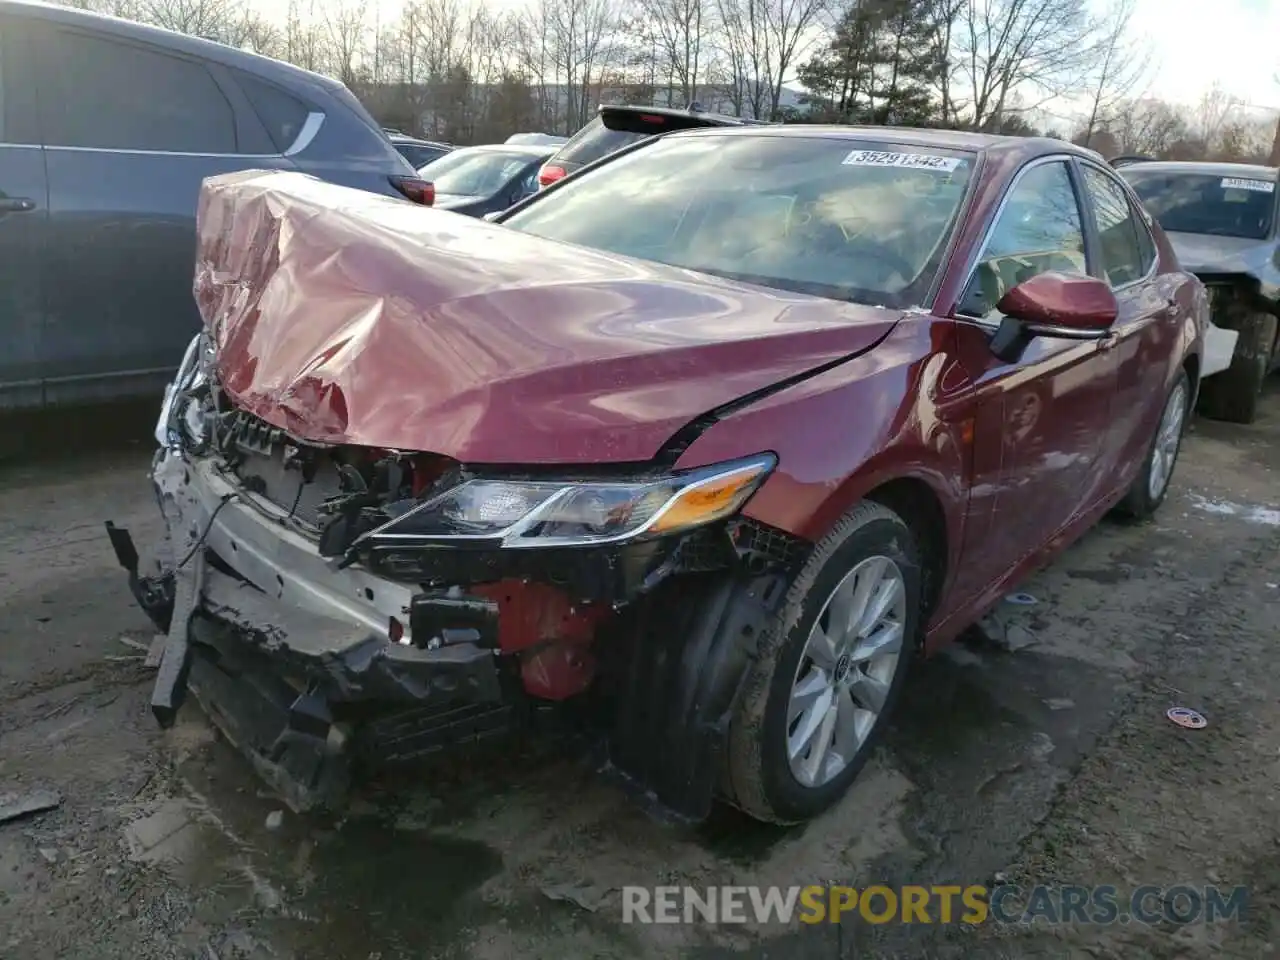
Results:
130 131
24 209
1144 332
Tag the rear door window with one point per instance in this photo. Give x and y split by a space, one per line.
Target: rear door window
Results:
594 141
1122 254
115 96
281 113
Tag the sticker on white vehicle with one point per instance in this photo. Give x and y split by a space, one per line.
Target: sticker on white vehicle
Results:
1239 183
910 161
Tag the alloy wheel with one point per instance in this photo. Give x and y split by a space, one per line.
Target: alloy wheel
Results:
846 671
1168 439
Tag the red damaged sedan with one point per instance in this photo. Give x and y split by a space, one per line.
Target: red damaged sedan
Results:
701 444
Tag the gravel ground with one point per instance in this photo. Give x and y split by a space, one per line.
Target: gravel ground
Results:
1052 764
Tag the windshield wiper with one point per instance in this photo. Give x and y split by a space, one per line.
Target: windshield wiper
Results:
811 288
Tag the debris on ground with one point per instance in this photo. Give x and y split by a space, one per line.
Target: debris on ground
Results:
1021 600
161 835
48 854
275 819
1060 703
14 806
1004 633
156 651
1186 717
588 896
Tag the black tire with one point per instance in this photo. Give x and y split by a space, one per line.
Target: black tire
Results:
1232 395
759 780
1139 503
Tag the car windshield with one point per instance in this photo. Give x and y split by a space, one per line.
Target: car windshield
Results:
1241 206
846 219
474 173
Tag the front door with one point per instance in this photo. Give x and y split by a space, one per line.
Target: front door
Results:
1039 420
24 209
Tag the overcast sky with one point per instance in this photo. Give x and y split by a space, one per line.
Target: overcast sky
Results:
1198 42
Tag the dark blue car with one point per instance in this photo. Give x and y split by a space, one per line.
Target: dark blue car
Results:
107 129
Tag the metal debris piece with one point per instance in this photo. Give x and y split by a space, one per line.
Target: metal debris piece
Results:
1186 717
1021 600
588 896
136 644
156 651
1007 635
14 805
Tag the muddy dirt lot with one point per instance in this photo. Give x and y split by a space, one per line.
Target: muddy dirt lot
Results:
1053 763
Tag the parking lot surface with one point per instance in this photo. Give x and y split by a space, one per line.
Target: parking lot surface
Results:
1050 763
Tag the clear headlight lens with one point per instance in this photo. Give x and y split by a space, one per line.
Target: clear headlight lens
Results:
516 513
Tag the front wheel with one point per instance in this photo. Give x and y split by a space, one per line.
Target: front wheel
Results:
830 668
1151 485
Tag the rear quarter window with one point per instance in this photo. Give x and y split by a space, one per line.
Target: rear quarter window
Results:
594 141
281 113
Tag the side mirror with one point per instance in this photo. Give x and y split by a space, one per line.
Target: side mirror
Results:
1062 305
1066 306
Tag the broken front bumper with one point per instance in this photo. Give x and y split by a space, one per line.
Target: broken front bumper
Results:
287 651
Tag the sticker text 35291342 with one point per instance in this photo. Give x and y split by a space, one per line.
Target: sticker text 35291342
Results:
910 161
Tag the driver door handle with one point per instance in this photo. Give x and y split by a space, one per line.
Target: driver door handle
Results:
16 204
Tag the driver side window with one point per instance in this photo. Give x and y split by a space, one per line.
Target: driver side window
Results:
1039 230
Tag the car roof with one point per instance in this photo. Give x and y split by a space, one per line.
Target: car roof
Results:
1248 171
179 42
1019 148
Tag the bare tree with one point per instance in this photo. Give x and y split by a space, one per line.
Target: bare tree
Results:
764 41
1215 110
575 33
678 28
346 32
211 19
1039 48
1148 127
303 42
1122 65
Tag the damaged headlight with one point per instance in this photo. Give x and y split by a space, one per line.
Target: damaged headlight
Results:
191 374
520 513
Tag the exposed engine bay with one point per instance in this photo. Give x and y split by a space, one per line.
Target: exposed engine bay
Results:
334 605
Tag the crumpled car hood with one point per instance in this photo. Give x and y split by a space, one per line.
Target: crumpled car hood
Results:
1204 254
343 317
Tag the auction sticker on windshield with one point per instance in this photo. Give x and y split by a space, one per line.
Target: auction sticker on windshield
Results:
1237 183
915 161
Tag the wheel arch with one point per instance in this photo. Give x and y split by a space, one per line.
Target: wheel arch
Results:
920 507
